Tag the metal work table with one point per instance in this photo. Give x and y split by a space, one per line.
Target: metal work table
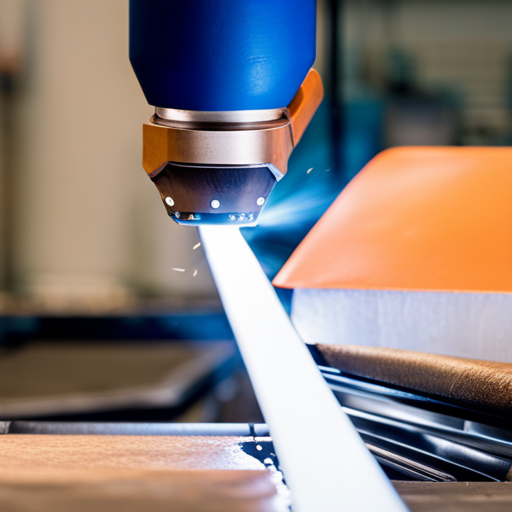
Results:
78 467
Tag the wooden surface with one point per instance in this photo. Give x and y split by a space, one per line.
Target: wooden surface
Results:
70 458
205 491
178 474
132 473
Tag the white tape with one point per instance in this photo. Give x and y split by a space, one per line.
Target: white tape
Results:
325 462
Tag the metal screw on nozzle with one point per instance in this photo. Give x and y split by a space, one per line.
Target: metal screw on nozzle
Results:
260 201
215 204
170 201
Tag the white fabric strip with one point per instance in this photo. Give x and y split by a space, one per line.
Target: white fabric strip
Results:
325 462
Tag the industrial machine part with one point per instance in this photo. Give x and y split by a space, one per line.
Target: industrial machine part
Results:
398 408
233 91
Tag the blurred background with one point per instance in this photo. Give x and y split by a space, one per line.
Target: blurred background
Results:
82 228
95 323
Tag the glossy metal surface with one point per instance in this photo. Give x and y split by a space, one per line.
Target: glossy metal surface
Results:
463 462
134 429
230 116
222 145
397 408
425 430
409 467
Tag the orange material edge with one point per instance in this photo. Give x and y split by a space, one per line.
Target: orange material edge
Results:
282 279
305 103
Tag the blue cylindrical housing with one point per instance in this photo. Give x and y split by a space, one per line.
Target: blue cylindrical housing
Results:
221 55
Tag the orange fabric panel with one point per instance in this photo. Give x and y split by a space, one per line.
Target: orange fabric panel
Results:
415 218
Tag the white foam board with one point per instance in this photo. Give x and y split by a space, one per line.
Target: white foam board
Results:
474 325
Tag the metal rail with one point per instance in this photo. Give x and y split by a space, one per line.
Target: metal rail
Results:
134 429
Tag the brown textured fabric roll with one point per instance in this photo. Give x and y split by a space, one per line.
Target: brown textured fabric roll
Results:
482 385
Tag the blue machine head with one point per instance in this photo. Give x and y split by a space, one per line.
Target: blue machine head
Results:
233 92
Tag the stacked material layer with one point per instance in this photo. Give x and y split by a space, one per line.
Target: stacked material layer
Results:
415 253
